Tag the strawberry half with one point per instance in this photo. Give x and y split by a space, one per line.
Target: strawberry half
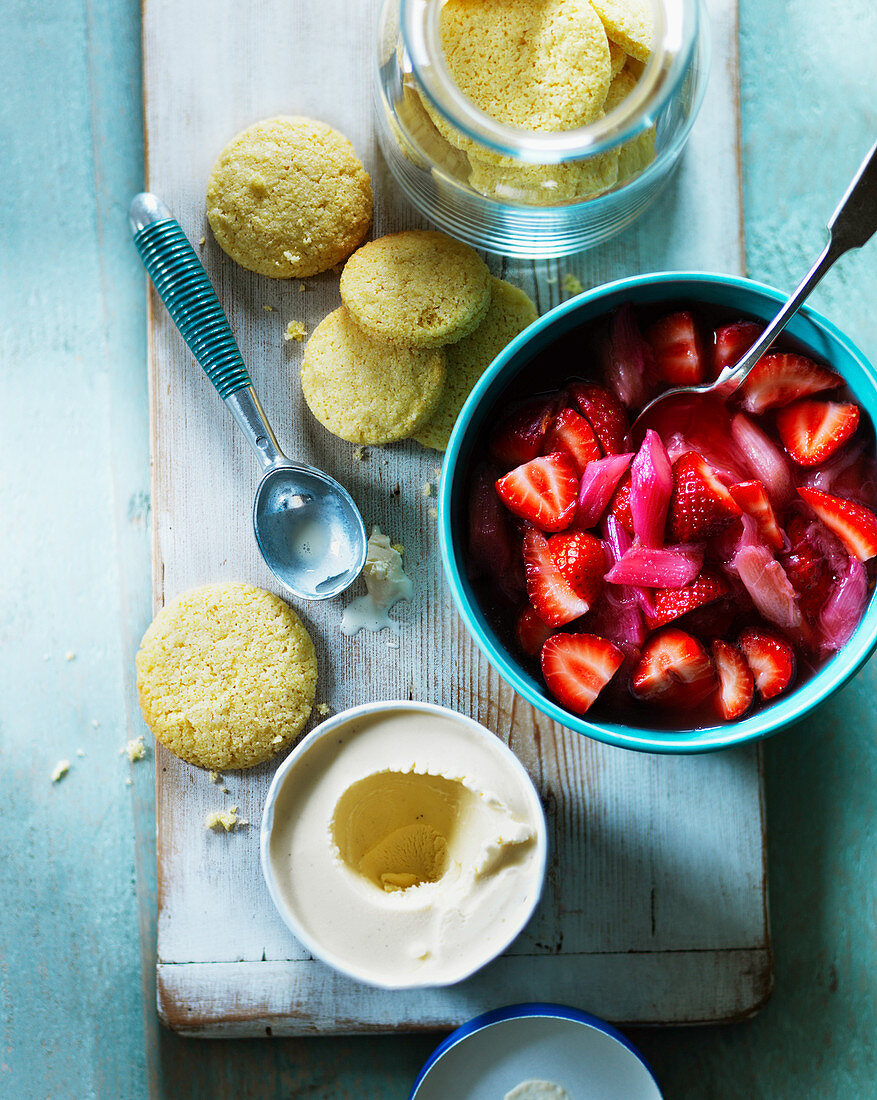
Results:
701 505
812 431
554 599
678 350
543 491
581 559
605 413
751 496
674 670
577 667
736 683
619 506
572 435
854 524
671 603
771 659
518 436
781 377
531 632
807 569
731 342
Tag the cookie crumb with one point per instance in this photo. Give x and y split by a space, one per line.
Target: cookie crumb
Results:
572 284
80 752
359 454
268 309
129 782
433 512
94 723
69 655
135 749
215 777
203 241
295 330
427 490
225 819
323 709
398 547
302 287
225 790
60 770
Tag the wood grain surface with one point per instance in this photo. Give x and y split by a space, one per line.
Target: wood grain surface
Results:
651 886
78 867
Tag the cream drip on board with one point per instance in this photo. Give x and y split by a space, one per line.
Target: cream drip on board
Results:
386 584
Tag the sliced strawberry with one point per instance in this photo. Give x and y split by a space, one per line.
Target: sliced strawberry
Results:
554 599
731 342
781 377
571 434
701 505
531 632
619 506
812 431
751 496
674 670
677 349
577 667
854 525
519 434
605 413
670 603
581 559
736 684
807 569
543 491
771 659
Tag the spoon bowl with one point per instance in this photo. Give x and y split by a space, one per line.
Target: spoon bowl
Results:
309 531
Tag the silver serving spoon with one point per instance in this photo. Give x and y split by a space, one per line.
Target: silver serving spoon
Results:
309 530
851 225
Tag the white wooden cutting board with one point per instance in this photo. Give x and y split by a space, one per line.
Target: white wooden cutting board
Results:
655 907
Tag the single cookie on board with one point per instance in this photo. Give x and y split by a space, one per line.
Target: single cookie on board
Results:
629 24
417 288
364 390
288 198
509 313
536 64
226 676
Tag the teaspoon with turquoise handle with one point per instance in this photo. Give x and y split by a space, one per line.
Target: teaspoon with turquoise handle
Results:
308 528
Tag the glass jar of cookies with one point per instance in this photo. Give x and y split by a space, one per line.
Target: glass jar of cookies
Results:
537 127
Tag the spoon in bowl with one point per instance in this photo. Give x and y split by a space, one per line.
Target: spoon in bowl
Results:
851 225
308 529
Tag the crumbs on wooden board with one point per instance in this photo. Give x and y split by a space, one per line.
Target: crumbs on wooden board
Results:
225 819
135 749
60 770
295 330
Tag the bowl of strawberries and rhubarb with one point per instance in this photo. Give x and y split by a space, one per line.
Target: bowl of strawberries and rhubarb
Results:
697 580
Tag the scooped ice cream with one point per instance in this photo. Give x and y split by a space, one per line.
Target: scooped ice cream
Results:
407 846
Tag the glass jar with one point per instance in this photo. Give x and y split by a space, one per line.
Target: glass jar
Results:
535 192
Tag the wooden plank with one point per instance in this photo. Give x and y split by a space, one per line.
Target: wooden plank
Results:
642 861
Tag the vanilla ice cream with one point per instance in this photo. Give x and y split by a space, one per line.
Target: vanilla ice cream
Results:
386 584
407 845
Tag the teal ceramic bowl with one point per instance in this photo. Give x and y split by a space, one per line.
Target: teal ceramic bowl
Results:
730 295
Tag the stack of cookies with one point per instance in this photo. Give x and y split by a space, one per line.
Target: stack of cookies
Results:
421 320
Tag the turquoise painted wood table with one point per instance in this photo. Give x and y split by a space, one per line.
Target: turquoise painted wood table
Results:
77 868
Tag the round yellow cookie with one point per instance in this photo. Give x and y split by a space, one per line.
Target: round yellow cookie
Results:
629 24
289 198
536 64
417 288
226 676
509 313
366 391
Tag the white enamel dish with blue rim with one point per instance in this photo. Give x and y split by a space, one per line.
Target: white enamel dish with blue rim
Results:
494 1053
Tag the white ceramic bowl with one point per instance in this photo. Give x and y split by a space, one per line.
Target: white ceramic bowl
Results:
489 1056
504 768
